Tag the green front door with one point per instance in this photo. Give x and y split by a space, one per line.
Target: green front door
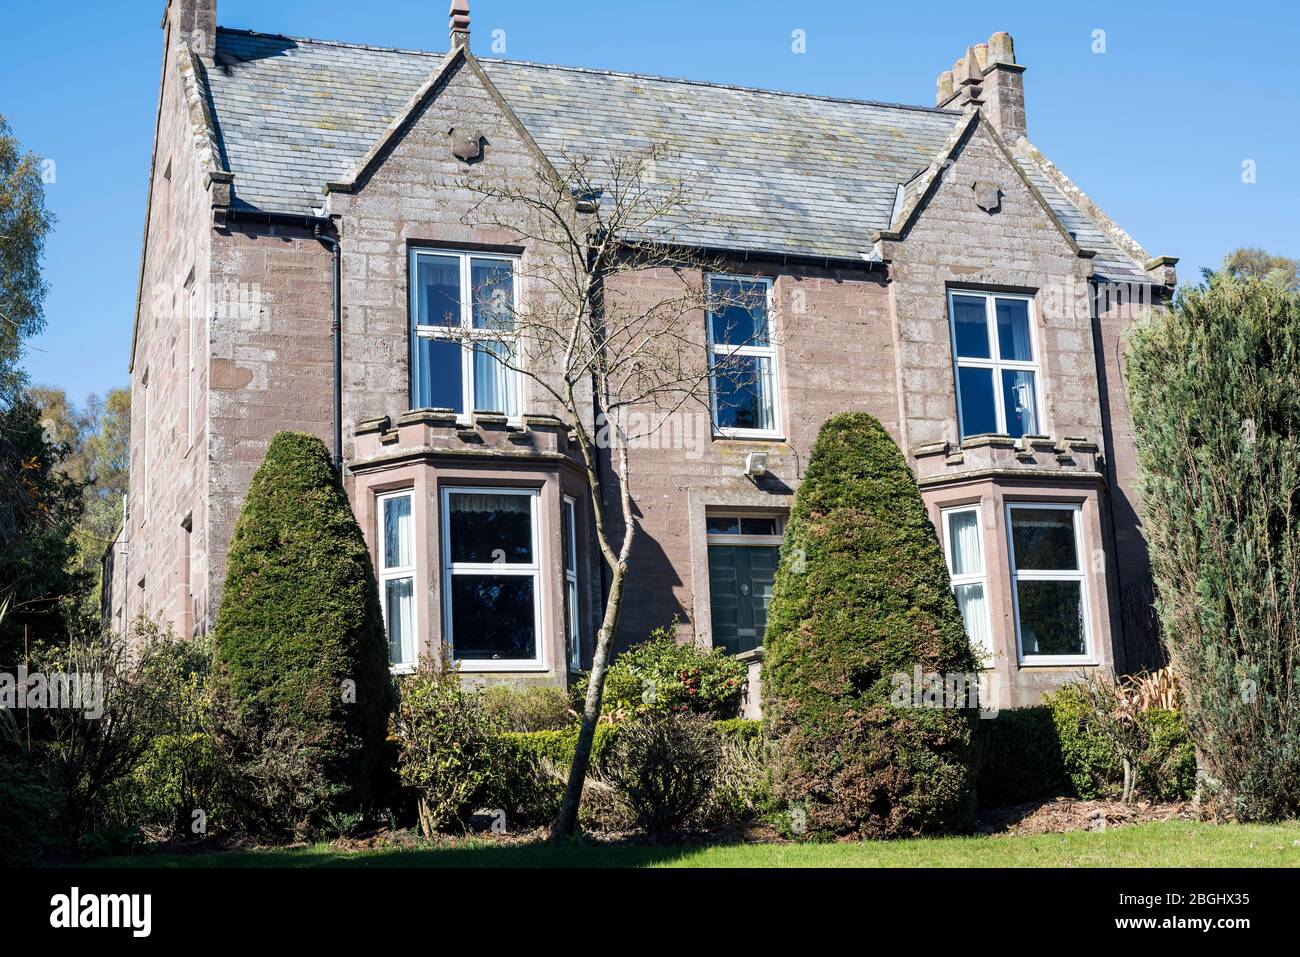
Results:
740 581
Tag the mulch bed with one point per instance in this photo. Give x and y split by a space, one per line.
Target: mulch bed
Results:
1065 814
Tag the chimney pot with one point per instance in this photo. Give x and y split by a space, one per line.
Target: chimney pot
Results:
943 88
1001 48
981 55
459 14
1004 89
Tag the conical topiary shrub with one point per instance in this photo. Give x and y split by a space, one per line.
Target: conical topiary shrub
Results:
300 637
862 596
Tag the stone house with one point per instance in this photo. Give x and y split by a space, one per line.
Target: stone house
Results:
925 264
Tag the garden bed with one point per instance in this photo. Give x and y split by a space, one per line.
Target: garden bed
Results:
1062 815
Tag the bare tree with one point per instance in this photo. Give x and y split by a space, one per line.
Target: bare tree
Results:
618 360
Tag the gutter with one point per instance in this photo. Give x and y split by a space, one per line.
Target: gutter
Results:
336 330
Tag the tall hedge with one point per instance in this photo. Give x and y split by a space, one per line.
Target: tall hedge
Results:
300 636
1214 386
861 596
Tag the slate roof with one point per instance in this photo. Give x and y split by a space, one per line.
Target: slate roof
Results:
782 173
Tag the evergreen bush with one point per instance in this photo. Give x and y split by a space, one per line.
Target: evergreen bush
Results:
1214 386
300 635
862 595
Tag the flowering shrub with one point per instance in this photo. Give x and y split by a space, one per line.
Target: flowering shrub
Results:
662 676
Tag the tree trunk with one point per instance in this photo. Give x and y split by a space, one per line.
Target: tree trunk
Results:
1127 795
567 823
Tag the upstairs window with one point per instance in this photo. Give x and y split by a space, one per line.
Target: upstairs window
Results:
993 343
462 313
742 356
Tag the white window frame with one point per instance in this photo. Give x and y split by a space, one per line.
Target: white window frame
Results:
1081 576
720 351
729 538
386 574
465 334
532 570
970 578
569 515
995 362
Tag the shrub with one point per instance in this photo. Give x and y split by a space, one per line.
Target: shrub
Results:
300 635
1020 758
663 768
1167 769
1212 386
743 786
178 772
450 748
273 774
177 777
1091 764
1156 742
537 767
87 759
663 676
862 594
538 764
558 746
531 708
744 729
29 832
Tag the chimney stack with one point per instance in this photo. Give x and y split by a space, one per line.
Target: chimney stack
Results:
194 21
988 78
459 24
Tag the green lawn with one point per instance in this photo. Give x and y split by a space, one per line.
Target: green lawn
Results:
1164 844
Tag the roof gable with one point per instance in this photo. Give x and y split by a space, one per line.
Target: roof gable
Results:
775 173
919 191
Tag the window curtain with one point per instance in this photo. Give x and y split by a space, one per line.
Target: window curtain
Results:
398 529
972 603
964 539
495 386
490 504
399 598
1013 330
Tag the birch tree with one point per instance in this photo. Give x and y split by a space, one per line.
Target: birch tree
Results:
612 335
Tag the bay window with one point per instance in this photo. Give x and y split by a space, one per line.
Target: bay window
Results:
742 357
1049 590
462 317
572 609
996 366
397 576
492 582
964 547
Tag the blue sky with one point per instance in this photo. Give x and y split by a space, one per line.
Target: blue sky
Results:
1155 129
